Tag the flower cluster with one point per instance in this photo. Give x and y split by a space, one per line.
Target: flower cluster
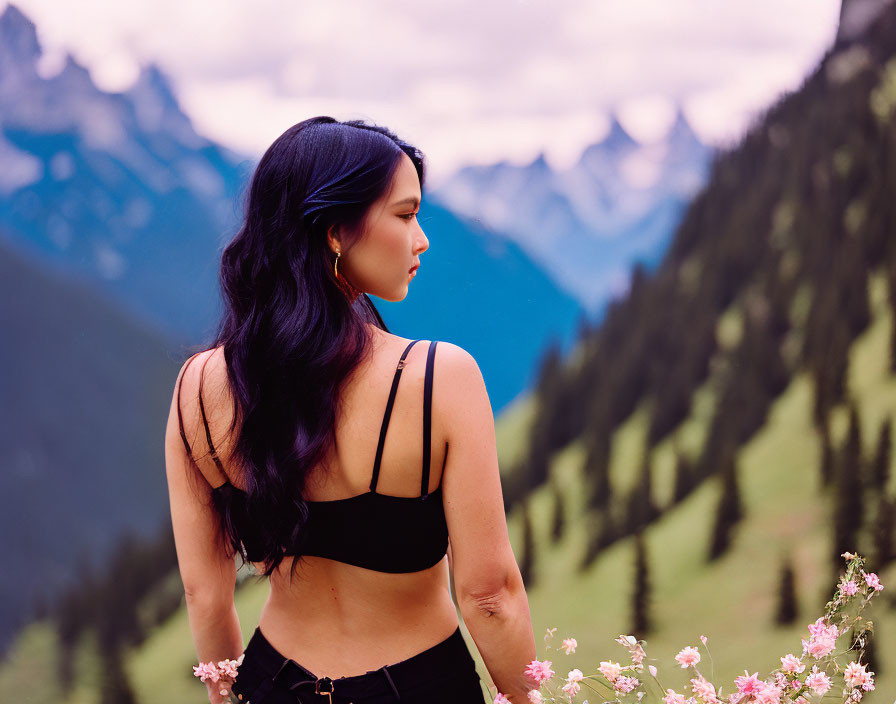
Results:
798 678
223 674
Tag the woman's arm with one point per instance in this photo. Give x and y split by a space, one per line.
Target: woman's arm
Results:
207 570
489 589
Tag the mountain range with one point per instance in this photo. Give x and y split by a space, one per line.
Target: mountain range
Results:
118 190
588 224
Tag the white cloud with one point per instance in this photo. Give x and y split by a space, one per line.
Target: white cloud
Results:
470 81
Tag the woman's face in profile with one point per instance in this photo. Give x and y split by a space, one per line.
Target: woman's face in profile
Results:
380 262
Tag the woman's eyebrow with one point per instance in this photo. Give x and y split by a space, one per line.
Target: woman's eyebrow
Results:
413 201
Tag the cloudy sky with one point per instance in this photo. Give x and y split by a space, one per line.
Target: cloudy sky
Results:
468 81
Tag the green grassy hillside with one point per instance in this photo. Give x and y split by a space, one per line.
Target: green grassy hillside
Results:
733 601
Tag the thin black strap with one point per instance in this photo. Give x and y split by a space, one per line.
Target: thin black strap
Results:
180 419
208 434
427 417
384 427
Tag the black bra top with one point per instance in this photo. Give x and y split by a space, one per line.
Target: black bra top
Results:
377 531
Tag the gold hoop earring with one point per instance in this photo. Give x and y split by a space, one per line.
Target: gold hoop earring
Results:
344 283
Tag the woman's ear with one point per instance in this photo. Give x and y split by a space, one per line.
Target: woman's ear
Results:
333 239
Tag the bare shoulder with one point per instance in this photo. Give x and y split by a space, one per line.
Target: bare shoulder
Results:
462 400
456 364
205 372
457 373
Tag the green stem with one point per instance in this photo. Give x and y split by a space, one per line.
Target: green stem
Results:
594 677
593 689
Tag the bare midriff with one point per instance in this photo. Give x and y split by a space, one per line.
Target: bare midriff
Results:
340 620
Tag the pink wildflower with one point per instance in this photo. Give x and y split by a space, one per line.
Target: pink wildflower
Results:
501 699
228 668
206 671
781 679
847 555
823 639
818 646
856 676
610 669
652 670
688 656
571 688
769 694
704 689
817 681
539 670
872 580
791 663
703 638
625 684
569 645
849 588
821 628
535 697
634 648
748 684
672 697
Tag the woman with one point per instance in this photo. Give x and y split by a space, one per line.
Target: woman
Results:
277 448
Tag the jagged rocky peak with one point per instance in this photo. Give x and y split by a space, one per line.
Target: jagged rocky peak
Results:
157 109
19 48
74 74
152 81
681 131
618 137
617 141
540 163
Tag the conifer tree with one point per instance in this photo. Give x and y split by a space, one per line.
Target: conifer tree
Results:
115 686
684 477
641 507
597 469
641 622
729 509
848 487
787 605
880 468
828 460
559 512
527 556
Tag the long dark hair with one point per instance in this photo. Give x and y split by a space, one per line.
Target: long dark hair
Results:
292 333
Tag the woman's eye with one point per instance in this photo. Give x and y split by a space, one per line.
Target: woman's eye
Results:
407 216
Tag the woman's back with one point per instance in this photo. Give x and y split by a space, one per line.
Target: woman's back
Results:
339 618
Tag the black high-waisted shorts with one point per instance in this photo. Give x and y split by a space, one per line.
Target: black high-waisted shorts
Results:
446 672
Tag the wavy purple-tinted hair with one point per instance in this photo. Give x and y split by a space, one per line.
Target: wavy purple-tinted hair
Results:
292 333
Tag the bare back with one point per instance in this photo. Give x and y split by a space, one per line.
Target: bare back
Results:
339 619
